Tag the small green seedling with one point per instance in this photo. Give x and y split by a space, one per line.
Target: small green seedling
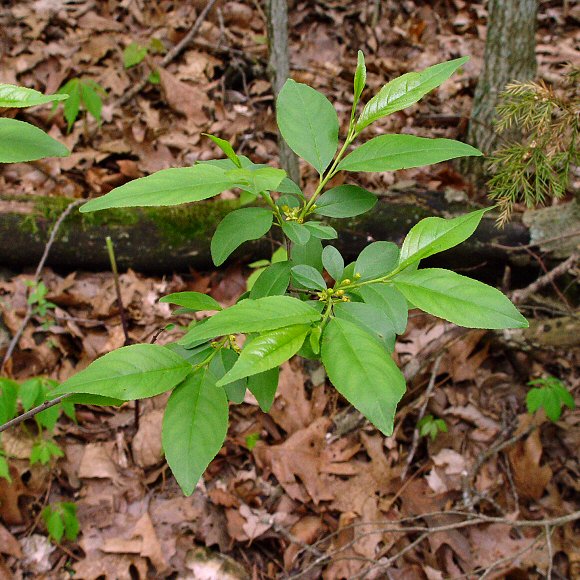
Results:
429 426
82 93
61 520
37 298
549 394
135 53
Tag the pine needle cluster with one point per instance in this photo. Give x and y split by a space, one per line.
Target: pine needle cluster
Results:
536 167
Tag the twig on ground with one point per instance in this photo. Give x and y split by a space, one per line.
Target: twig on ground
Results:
416 432
47 248
548 278
550 551
170 56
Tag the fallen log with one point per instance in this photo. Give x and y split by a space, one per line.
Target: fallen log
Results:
163 240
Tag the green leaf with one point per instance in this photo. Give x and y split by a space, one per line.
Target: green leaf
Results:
263 386
54 523
267 351
345 201
310 254
4 470
131 372
31 393
73 103
273 281
166 187
369 318
394 152
360 78
308 122
377 259
257 180
195 426
195 301
8 399
219 366
71 523
296 232
433 235
333 262
227 148
288 186
406 90
20 141
389 301
321 231
258 315
12 96
363 372
550 394
239 226
91 100
92 400
308 277
134 54
458 299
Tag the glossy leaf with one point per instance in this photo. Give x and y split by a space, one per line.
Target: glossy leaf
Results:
273 281
259 315
333 262
321 231
131 372
363 372
345 201
369 318
239 226
195 425
360 77
263 386
308 122
406 90
433 235
389 301
12 96
267 351
20 141
166 187
377 259
308 277
310 254
458 299
393 152
227 148
256 180
220 364
195 301
296 232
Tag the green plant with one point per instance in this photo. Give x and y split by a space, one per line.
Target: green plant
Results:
40 306
429 426
61 520
350 323
20 141
550 394
537 167
82 93
135 53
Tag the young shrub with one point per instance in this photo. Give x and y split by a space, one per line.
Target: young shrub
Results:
350 324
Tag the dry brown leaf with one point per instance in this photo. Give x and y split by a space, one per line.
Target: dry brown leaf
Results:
530 478
146 445
97 462
307 530
9 544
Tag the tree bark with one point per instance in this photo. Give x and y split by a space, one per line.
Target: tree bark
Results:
510 54
279 71
163 240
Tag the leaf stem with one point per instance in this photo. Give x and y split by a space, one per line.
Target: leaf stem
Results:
32 412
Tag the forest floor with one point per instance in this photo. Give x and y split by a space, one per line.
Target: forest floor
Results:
309 490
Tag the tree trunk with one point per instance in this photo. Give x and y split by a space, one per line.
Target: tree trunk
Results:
163 240
279 70
510 54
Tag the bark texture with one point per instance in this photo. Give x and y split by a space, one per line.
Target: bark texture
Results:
163 240
510 54
279 70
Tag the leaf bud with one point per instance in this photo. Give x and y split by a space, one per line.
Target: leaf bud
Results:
346 281
357 276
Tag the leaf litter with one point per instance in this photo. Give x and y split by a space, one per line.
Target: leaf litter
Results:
312 497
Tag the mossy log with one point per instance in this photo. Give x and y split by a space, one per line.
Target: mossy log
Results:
163 240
